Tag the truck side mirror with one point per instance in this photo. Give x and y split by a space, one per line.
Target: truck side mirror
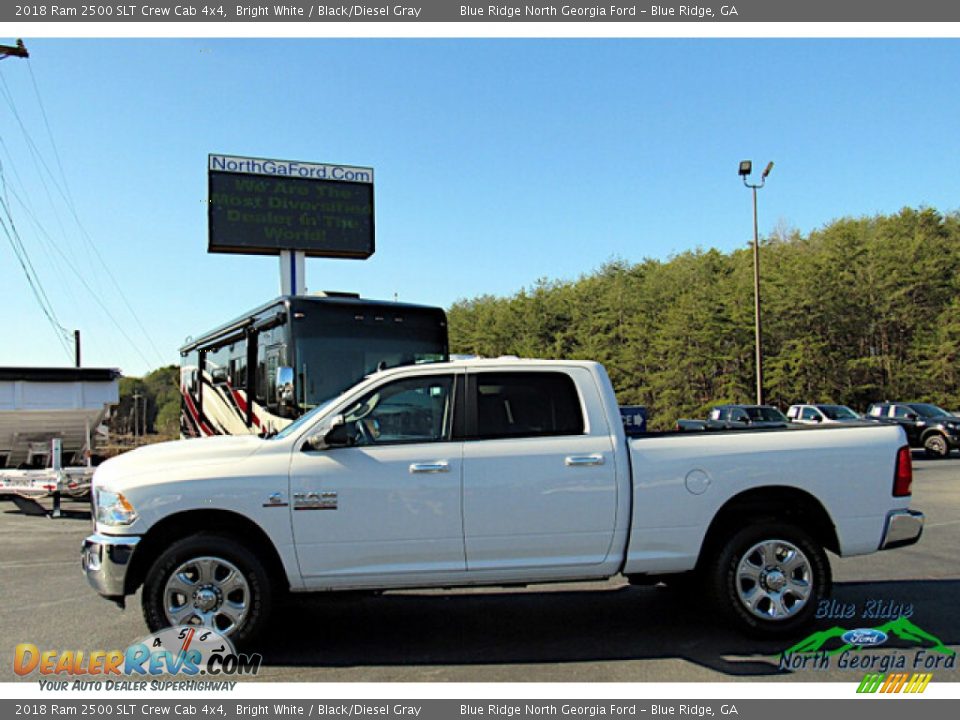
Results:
912 416
284 386
332 435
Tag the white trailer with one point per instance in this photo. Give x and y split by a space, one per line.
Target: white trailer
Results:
40 404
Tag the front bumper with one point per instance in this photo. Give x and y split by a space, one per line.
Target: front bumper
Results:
105 560
904 527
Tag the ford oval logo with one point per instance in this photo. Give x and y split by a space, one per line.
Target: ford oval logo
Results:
864 637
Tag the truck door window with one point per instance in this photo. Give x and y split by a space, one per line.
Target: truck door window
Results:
809 414
512 405
416 410
901 411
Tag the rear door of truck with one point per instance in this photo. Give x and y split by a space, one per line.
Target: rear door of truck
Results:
539 476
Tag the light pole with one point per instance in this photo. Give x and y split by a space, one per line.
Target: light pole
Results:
746 167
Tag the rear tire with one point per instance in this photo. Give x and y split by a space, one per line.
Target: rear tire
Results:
935 445
210 581
769 579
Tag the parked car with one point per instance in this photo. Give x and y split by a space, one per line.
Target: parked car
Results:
927 426
491 472
820 413
736 417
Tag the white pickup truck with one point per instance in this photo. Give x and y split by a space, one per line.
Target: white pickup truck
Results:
491 472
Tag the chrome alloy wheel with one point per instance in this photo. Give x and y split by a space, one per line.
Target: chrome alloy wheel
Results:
207 591
774 580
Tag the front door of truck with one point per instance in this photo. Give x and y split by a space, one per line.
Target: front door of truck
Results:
388 505
539 484
907 418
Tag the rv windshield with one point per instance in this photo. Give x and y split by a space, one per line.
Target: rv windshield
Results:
326 365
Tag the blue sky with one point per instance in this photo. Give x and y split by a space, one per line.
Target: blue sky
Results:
498 162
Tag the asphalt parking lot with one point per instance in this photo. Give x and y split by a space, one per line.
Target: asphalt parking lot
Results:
599 632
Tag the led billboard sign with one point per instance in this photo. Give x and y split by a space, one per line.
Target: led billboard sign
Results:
262 207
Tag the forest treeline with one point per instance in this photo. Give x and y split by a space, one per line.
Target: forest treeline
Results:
862 310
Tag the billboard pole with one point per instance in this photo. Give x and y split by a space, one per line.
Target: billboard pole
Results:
293 273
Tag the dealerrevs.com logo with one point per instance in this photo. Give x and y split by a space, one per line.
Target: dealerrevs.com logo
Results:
184 651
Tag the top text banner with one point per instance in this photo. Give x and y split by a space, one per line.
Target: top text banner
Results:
457 10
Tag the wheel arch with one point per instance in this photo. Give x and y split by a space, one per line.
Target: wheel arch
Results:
931 431
777 503
227 523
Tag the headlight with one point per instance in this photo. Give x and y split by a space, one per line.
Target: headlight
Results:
114 509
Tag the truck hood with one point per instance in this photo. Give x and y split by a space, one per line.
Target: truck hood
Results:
167 460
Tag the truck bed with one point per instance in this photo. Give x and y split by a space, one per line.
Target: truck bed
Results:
681 480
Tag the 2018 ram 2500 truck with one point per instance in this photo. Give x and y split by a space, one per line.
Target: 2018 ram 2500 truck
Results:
491 472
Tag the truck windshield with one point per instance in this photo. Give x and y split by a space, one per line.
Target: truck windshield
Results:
838 412
929 411
295 426
767 414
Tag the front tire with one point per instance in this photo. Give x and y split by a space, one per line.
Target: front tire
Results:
935 445
209 581
769 579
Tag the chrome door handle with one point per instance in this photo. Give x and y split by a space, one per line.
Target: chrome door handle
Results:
435 467
578 460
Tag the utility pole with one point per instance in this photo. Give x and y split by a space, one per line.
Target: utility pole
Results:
76 347
136 417
19 50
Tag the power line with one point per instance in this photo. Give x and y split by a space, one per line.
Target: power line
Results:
64 193
13 236
33 279
11 183
21 251
68 200
46 123
86 285
38 162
